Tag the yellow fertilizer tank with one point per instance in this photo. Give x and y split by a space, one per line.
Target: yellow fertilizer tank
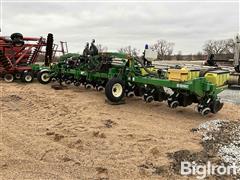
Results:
182 74
217 77
193 73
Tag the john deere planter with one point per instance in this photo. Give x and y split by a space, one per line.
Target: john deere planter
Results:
122 75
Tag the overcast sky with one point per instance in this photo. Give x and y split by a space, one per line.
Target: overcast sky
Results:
118 24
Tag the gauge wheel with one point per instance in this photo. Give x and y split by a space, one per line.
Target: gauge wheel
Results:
114 90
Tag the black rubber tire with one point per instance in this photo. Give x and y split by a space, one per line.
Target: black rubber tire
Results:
27 77
148 99
77 84
8 78
18 76
109 90
88 86
17 39
216 106
16 36
40 77
138 91
205 111
174 104
18 42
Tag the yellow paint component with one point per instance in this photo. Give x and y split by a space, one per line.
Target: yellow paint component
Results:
218 77
193 73
152 69
178 74
183 74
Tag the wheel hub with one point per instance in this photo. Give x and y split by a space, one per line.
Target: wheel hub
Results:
28 78
8 78
117 90
45 77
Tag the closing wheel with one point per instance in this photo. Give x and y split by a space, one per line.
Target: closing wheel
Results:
130 94
8 78
216 106
54 79
68 81
18 75
174 104
77 83
148 98
44 77
88 86
205 111
114 90
27 77
100 88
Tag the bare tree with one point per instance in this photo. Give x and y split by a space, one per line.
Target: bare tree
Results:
164 48
129 50
225 46
230 45
101 48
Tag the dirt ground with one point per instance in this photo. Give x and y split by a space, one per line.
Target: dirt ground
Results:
74 134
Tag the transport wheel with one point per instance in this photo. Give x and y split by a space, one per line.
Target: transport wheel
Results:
44 77
27 77
205 111
8 78
114 90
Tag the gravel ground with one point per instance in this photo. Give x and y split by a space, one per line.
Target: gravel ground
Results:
222 138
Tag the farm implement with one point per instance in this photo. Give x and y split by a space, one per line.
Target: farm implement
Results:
18 56
123 75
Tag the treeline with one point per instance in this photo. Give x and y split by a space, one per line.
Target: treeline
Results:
222 49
